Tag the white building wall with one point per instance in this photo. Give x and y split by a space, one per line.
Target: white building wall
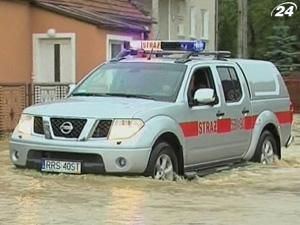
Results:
188 19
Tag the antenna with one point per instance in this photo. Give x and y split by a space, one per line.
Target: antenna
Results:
151 52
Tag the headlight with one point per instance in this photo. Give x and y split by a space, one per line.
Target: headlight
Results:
123 128
25 124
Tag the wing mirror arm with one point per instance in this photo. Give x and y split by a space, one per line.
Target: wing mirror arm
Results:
71 89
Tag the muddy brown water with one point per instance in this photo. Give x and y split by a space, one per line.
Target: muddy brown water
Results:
252 194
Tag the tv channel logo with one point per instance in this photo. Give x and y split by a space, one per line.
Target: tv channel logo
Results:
285 9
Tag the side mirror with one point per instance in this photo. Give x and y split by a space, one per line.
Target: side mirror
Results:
71 88
205 96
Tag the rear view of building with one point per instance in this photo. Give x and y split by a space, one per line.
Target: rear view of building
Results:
48 44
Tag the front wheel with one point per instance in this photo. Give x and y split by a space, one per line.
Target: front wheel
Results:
163 164
266 149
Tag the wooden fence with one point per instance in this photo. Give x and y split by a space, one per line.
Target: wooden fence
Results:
293 85
15 97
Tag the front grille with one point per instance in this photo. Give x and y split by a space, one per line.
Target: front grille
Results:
38 127
102 129
77 126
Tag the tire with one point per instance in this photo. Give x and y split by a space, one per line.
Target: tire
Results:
162 151
264 154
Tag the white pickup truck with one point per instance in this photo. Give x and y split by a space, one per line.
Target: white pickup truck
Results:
158 116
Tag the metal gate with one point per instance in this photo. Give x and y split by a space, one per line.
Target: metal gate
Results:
48 92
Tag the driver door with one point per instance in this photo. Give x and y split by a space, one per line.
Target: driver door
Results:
207 142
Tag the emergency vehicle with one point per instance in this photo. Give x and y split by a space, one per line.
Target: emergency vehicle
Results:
160 108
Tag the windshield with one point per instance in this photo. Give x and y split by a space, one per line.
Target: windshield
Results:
157 81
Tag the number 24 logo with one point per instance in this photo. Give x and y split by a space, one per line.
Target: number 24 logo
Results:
284 9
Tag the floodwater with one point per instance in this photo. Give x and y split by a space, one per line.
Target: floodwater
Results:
252 194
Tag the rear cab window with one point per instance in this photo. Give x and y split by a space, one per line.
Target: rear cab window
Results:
231 85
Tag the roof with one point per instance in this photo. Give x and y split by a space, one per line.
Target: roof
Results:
113 14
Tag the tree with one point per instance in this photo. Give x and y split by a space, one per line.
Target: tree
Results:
281 48
260 23
227 26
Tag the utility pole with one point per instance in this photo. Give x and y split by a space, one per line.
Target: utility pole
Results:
216 25
242 28
155 15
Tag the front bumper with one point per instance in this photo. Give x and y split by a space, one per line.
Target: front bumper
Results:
95 159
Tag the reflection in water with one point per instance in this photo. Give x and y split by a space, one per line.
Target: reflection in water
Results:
253 194
125 206
27 212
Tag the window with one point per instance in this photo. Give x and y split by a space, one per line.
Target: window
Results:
181 9
204 23
230 83
193 22
115 44
115 48
180 29
56 62
202 78
180 18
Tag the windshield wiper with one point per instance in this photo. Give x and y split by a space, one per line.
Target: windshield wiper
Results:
130 95
88 94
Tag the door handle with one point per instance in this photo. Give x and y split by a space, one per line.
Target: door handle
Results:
245 111
219 114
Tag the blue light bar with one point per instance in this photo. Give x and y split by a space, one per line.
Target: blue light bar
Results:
190 46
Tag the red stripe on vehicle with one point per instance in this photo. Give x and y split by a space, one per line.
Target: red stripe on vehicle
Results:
285 117
190 129
292 111
249 122
224 125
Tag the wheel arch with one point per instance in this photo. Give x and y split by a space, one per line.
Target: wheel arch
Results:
274 131
266 120
173 140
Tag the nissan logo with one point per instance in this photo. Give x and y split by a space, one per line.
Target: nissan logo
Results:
66 127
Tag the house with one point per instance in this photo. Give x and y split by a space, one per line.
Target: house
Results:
183 19
47 44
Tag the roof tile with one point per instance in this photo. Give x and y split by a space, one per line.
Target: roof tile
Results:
120 14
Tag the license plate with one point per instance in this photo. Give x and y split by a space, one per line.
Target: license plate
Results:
61 166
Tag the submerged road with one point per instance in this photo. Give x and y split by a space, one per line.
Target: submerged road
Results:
254 194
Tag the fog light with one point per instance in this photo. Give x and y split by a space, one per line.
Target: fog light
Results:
121 162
